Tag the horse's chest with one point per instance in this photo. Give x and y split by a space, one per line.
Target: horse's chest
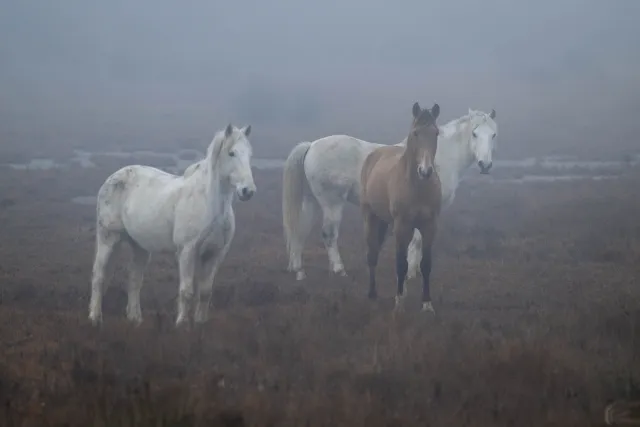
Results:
219 234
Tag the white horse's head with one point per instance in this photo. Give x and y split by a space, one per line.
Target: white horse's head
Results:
482 139
233 159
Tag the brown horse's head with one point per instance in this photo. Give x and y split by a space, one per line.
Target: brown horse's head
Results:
423 139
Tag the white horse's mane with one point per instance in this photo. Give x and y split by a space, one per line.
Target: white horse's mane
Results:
220 143
472 119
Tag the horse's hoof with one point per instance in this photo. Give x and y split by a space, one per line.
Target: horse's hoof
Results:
399 307
300 275
427 307
341 273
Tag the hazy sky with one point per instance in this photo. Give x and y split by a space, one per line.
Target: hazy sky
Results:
138 62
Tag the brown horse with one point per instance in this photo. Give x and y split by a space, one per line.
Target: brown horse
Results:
401 186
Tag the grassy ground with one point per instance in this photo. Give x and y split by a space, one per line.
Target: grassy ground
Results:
536 289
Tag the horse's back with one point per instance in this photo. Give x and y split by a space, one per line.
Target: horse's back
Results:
338 151
128 179
333 163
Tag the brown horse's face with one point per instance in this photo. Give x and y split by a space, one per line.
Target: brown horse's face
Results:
424 139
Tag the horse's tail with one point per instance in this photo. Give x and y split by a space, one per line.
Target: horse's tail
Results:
294 187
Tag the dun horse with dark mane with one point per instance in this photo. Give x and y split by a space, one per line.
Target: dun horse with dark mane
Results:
401 186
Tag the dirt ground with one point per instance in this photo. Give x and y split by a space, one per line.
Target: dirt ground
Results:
536 289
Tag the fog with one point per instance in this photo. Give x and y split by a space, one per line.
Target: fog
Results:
561 74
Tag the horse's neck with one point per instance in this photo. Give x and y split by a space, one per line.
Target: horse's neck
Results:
218 191
409 163
453 157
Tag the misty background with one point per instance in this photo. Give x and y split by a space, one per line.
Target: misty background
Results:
563 75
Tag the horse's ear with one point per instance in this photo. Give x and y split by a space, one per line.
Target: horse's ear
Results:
228 131
435 111
416 110
492 114
247 130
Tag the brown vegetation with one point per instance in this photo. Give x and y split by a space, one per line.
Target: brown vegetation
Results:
538 320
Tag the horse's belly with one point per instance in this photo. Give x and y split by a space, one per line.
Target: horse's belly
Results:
149 226
153 237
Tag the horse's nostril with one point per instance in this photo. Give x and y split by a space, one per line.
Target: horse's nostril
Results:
429 171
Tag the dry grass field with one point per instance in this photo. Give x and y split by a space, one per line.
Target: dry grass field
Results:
536 287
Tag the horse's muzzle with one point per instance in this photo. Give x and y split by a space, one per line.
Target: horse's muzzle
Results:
425 172
245 193
484 167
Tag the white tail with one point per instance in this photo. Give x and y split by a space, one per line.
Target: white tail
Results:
294 185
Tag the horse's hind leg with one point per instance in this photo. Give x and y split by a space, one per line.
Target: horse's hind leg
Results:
106 242
332 216
415 254
136 277
307 217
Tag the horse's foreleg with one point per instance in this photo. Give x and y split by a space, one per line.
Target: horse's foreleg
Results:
332 216
136 278
106 242
204 288
428 231
403 233
187 266
414 255
375 230
208 270
205 284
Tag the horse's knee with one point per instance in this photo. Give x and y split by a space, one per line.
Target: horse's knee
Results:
372 258
186 292
328 233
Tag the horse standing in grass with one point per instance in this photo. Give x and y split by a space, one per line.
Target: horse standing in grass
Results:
324 175
191 215
400 186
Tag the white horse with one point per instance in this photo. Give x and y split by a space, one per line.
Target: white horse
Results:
191 215
325 173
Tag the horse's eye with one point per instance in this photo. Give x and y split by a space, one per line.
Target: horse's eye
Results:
232 153
475 135
494 135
